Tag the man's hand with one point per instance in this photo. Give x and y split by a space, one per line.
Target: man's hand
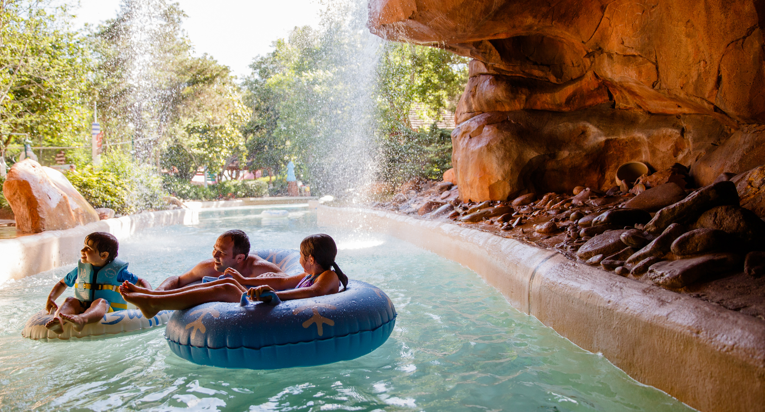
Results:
50 306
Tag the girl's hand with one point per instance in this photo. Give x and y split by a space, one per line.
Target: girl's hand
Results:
258 291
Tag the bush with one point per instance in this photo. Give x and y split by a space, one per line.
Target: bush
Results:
119 184
183 189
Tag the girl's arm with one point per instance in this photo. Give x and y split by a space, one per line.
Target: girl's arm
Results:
327 283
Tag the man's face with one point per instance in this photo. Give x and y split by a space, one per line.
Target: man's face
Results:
223 254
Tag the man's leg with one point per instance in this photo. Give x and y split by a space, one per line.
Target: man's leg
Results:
93 314
69 307
225 290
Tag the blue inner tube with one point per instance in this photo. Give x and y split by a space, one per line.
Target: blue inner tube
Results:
301 332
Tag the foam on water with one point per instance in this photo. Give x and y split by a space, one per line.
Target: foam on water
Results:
458 345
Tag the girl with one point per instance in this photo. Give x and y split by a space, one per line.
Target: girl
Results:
317 256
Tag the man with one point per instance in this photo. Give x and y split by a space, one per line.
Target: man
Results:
231 250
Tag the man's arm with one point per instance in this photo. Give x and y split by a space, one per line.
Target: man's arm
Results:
204 268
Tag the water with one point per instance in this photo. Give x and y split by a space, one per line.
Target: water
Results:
457 346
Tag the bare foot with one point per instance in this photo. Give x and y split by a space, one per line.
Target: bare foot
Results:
129 287
143 302
76 320
55 325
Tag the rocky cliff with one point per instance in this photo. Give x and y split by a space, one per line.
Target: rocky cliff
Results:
562 93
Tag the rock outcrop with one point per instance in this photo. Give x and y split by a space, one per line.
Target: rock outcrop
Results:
562 93
43 199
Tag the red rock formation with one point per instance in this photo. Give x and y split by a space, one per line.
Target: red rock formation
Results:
43 199
567 90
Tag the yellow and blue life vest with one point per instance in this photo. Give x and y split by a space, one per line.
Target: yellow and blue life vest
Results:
104 286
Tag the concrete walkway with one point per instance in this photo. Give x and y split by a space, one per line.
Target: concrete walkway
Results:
711 358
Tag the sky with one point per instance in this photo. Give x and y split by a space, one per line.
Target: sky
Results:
233 32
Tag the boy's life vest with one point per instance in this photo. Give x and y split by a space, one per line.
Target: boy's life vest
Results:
104 286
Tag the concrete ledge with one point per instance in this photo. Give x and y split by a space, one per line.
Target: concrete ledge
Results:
252 201
28 255
709 357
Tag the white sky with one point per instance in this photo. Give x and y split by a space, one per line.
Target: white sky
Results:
233 32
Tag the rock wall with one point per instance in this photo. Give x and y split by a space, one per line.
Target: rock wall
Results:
560 94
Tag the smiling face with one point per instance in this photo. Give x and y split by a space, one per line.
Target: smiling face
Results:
223 254
89 254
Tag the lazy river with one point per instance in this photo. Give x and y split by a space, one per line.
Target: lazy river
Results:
457 345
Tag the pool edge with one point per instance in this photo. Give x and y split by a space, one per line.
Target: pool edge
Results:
708 357
31 254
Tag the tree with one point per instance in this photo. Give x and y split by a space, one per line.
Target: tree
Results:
44 75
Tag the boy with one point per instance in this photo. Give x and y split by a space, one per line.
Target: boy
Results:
96 280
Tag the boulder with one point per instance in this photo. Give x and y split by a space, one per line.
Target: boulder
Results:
689 209
656 198
43 199
449 176
701 241
739 221
754 265
681 273
751 190
605 244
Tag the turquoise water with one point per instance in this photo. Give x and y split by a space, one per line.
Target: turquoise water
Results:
457 346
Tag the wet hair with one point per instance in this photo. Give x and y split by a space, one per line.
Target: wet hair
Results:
323 249
241 241
104 242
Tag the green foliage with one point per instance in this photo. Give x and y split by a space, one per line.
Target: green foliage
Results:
183 189
119 184
3 201
44 75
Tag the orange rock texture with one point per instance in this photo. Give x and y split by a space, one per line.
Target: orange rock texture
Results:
43 199
562 93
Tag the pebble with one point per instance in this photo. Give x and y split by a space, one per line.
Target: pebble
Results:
606 243
644 265
575 216
634 238
546 228
622 271
659 246
595 260
523 200
622 217
657 197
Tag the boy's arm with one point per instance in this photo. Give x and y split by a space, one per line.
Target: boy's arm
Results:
58 289
143 283
126 275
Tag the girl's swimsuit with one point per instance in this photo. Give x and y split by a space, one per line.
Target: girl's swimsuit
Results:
308 280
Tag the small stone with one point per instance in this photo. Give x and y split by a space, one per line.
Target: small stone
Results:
105 213
644 265
596 230
754 265
454 215
680 273
659 246
622 271
480 206
582 197
657 198
617 259
606 243
505 217
445 195
634 238
578 190
575 216
613 191
700 241
443 186
608 264
546 228
587 220
523 200
595 260
429 207
622 217
517 222
638 189
485 214
689 209
443 210
602 201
